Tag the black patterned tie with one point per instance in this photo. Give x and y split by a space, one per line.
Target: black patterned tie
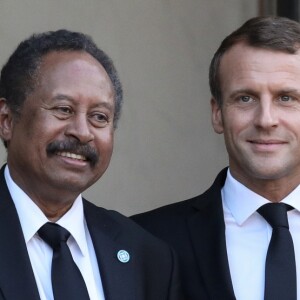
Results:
67 281
280 273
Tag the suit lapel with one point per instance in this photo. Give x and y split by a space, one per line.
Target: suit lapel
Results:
207 230
120 280
17 280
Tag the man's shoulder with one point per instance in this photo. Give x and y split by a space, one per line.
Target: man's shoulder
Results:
174 217
186 207
166 220
128 231
173 210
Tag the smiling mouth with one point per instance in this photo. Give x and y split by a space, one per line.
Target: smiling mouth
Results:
267 142
74 150
72 155
266 146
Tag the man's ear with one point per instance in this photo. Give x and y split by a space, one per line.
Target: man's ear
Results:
216 116
6 121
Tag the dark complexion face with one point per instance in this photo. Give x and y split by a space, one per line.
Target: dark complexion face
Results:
63 140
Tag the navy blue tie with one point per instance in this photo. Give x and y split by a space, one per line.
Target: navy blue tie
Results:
280 272
67 281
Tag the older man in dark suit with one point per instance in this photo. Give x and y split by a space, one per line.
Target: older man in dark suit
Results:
60 100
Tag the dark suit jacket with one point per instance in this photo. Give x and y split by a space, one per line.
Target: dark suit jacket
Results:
151 273
196 230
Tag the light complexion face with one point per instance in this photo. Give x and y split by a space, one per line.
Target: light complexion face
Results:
260 114
63 141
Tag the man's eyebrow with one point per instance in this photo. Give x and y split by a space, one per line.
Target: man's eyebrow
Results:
289 91
67 97
253 92
242 91
61 97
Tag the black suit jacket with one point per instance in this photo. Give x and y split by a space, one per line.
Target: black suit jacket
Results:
151 273
196 230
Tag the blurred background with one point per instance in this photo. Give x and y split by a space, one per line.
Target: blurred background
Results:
165 148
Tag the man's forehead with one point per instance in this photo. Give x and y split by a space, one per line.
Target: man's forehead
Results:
55 58
70 63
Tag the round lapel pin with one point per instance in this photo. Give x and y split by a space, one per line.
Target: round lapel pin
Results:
123 256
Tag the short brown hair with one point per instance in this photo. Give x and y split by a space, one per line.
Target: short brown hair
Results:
273 33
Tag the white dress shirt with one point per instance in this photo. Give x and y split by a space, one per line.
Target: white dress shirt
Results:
40 253
248 236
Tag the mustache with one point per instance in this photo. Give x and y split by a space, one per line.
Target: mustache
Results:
74 146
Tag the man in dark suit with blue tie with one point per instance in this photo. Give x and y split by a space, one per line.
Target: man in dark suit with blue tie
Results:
60 100
240 239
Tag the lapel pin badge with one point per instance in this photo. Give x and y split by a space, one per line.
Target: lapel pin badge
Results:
123 256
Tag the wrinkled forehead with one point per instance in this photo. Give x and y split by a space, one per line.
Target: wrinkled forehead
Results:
242 56
249 68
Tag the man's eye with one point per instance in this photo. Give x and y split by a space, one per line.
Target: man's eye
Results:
64 109
245 99
99 119
286 98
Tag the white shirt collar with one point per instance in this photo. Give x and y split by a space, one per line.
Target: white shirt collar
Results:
32 218
242 202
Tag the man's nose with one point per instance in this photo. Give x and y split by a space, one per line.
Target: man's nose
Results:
266 114
80 128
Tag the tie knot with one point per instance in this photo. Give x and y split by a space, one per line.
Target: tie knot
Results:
275 214
53 234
